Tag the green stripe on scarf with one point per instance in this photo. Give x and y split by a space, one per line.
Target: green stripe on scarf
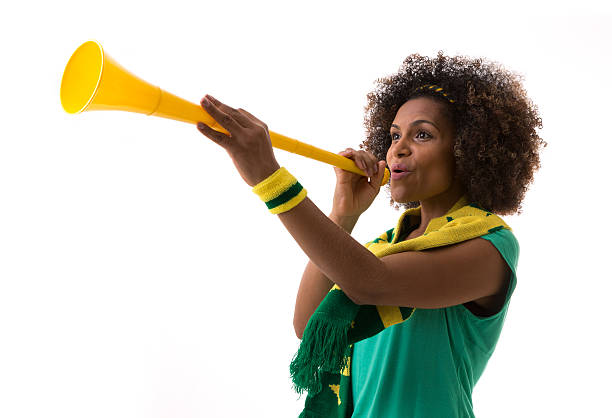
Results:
321 365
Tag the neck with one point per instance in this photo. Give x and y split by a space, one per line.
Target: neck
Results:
438 205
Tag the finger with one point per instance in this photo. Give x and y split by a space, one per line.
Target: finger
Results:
216 136
363 159
352 154
241 118
366 166
358 162
368 158
348 153
358 158
376 180
221 117
380 168
373 163
244 113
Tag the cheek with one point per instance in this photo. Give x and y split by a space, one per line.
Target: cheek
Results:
448 171
438 169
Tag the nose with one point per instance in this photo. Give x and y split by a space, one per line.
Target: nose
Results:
400 149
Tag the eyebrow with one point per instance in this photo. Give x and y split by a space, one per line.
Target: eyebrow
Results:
416 122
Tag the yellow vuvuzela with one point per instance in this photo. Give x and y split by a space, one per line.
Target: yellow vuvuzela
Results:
93 80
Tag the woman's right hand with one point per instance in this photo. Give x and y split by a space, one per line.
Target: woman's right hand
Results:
354 193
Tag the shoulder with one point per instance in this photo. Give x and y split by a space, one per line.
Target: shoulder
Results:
440 277
505 242
507 245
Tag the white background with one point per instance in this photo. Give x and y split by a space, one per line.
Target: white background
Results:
140 276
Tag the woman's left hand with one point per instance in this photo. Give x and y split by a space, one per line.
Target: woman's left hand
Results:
249 145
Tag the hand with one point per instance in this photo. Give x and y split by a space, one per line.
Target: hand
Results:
354 193
249 143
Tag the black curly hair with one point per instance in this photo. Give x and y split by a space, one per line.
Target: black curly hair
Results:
496 144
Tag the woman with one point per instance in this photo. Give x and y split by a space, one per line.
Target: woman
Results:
459 136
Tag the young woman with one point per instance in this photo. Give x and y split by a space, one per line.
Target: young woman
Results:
459 136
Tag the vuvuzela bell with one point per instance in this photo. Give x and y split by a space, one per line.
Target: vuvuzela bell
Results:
93 80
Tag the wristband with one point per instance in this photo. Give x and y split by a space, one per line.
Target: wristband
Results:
280 191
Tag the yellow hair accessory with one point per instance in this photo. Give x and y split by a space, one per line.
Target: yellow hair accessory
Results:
435 89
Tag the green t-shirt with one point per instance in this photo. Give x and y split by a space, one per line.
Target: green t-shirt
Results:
427 366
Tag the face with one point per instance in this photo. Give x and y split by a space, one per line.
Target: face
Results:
422 139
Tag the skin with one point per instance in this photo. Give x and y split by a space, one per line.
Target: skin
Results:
468 272
426 148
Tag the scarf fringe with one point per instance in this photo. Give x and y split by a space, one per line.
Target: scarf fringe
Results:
322 348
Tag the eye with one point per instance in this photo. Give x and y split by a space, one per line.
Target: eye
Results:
428 135
392 135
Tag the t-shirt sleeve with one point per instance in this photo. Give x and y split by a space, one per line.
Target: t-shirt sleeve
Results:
505 242
484 331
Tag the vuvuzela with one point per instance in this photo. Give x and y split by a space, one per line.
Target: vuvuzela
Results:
93 80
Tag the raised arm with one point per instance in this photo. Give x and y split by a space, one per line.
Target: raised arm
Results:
442 277
315 285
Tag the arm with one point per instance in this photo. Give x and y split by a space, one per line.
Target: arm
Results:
434 278
440 277
315 285
330 248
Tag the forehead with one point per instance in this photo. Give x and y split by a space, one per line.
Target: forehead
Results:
422 108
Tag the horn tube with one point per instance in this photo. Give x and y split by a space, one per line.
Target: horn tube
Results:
93 80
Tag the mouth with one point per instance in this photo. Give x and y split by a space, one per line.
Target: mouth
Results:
398 174
398 168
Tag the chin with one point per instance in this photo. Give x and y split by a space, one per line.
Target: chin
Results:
401 194
403 198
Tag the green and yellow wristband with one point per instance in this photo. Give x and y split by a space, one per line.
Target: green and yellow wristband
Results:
280 191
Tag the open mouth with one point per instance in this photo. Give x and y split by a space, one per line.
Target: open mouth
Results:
397 174
399 170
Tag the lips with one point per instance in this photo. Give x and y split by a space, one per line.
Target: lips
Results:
399 168
396 175
399 171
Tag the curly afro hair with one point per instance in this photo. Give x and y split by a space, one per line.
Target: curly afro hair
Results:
496 144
